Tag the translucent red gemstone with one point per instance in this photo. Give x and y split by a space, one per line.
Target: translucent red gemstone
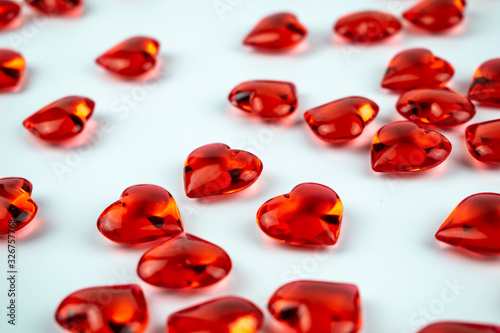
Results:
216 169
276 32
436 15
185 261
12 66
17 209
266 99
474 224
221 315
417 68
483 141
61 120
311 214
9 10
132 57
367 26
440 107
485 86
104 310
404 146
143 213
55 7
314 307
459 327
341 120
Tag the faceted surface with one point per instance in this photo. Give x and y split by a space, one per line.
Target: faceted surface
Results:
12 66
108 309
404 146
459 327
474 224
311 214
143 213
16 204
367 26
436 15
276 32
61 120
483 141
9 10
131 58
313 307
485 86
266 99
216 169
54 7
185 261
221 315
341 120
416 68
440 107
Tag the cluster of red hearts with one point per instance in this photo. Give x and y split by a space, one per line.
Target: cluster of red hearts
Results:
311 214
418 74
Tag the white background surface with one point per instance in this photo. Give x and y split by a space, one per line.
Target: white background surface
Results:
386 245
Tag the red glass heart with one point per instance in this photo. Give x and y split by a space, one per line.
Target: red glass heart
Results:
12 66
311 214
341 120
17 209
266 99
104 310
485 85
185 261
436 15
61 120
314 307
216 169
277 32
143 213
474 224
416 68
221 315
483 141
9 10
459 327
54 7
132 57
440 107
404 146
367 26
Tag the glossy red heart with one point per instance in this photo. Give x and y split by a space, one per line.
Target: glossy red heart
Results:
277 32
132 57
341 120
404 146
224 314
61 120
474 224
485 85
417 68
311 214
143 213
216 169
17 209
440 107
317 307
459 327
184 262
120 308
